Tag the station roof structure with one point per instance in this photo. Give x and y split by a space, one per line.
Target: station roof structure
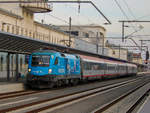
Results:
24 45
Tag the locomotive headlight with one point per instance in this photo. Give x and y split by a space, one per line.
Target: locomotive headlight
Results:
29 70
50 70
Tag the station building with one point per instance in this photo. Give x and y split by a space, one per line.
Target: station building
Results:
18 19
91 33
137 58
116 51
88 37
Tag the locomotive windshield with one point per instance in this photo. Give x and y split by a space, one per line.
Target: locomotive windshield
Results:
40 60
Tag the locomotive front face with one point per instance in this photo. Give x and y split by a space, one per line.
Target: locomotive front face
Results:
39 65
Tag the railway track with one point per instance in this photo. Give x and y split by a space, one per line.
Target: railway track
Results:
54 103
138 102
28 92
138 93
17 94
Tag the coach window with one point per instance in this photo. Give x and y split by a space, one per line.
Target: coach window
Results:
110 67
113 67
56 61
103 66
107 66
99 67
83 65
92 66
86 65
120 67
89 65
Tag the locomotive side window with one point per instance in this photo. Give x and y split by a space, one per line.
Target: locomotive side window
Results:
56 61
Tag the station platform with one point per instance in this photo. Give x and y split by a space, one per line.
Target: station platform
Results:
6 87
143 73
145 108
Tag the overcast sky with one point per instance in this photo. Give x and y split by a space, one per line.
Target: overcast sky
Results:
131 10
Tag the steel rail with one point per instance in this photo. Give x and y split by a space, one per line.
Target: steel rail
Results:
14 92
17 94
108 87
115 101
138 101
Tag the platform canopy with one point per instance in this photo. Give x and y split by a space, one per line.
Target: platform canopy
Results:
21 44
24 45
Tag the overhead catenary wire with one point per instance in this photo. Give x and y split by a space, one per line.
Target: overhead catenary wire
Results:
129 9
120 7
62 20
81 14
123 12
131 12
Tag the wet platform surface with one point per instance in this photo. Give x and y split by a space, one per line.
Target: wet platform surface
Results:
145 108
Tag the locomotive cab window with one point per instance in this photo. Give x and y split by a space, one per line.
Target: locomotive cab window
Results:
40 60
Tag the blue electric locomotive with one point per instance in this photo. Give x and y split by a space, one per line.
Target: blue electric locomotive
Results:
48 68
